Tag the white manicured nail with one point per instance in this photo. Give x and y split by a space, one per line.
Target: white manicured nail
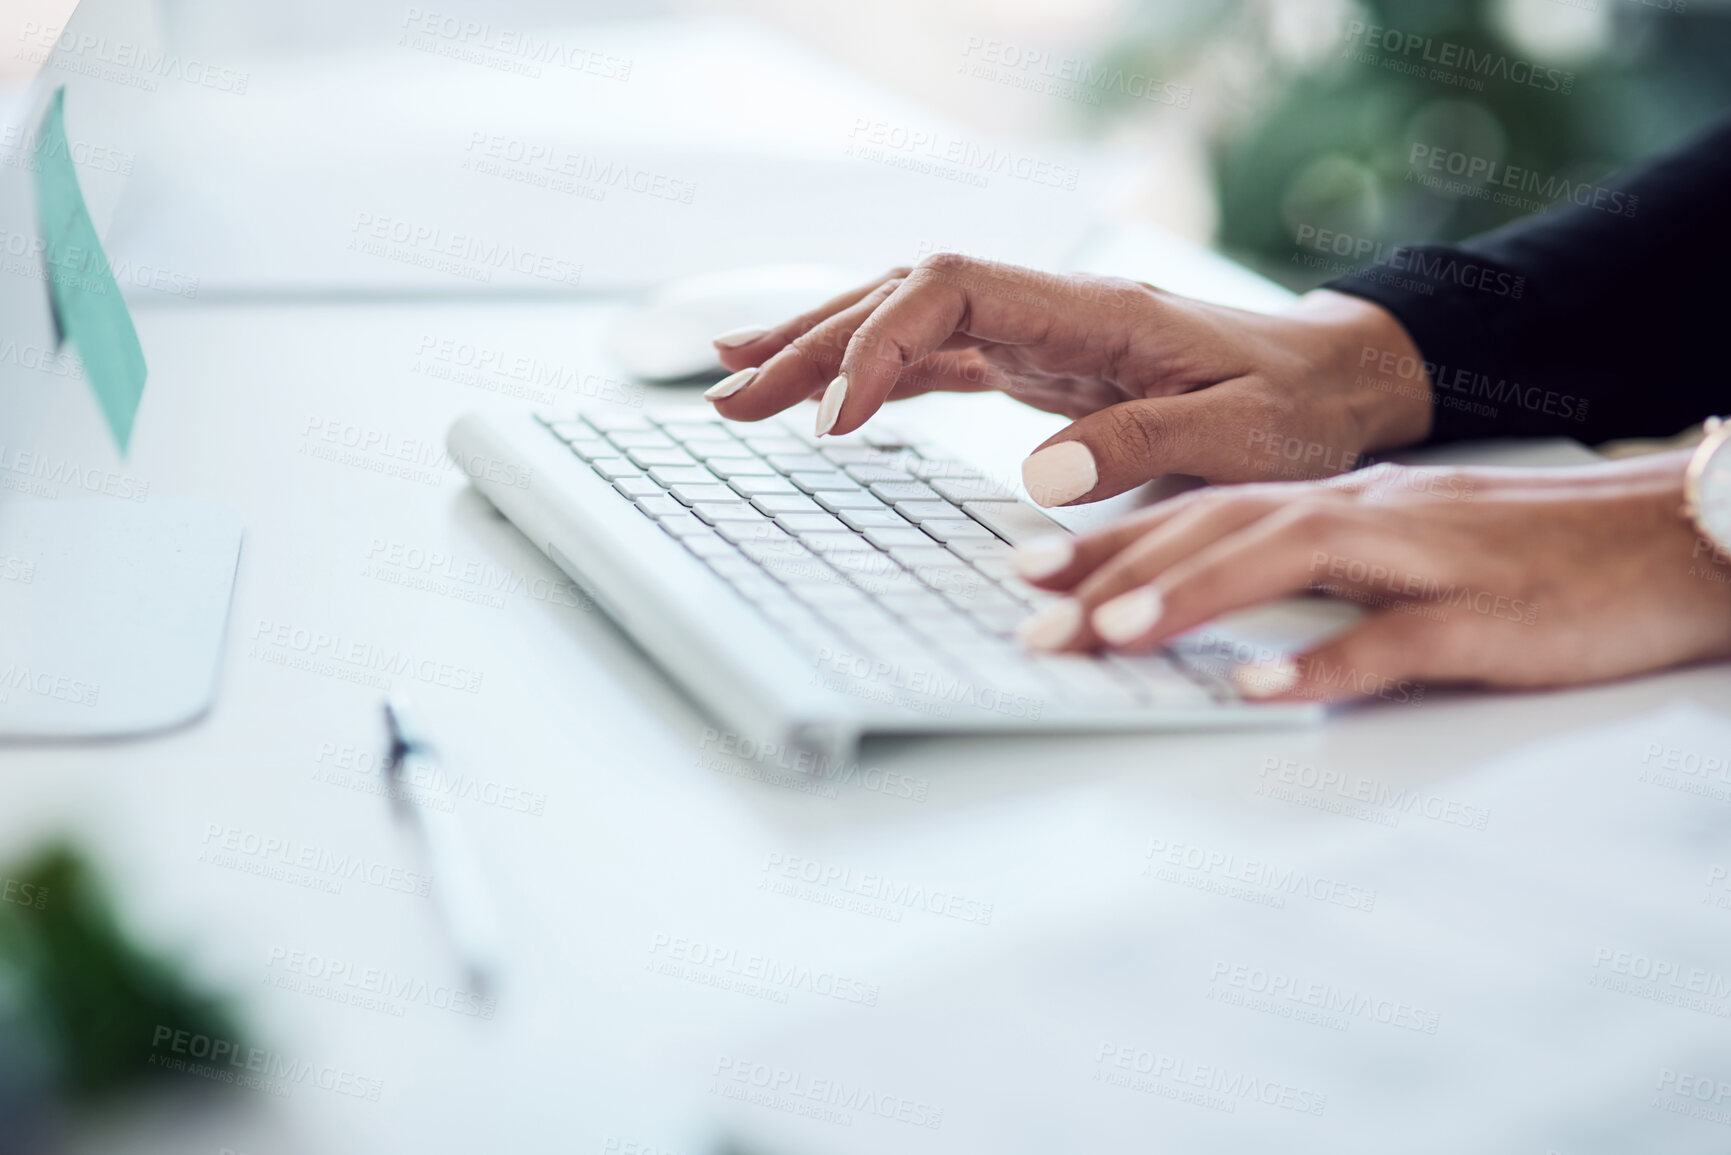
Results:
730 384
1128 616
1052 627
734 338
1059 473
1042 557
1266 679
830 407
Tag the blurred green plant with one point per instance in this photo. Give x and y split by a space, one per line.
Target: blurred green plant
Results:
79 1000
1314 124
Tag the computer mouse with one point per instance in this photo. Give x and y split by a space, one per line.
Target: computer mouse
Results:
669 336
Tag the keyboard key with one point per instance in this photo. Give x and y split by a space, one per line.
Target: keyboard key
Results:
729 450
774 503
575 430
757 486
649 457
640 439
804 523
773 443
977 550
931 555
731 467
839 499
613 468
921 511
907 535
754 533
662 506
1014 521
1159 680
692 494
837 543
681 524
608 421
669 476
785 547
719 511
863 519
798 462
1000 621
866 561
919 604
1088 680
637 487
696 430
959 490
958 530
894 491
869 474
855 455
829 596
817 481
590 450
705 542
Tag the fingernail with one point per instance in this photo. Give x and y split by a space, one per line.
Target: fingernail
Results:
1042 557
1059 473
1266 679
830 407
1127 616
734 338
730 384
1052 627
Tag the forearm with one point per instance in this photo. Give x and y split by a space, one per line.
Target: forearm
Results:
1593 320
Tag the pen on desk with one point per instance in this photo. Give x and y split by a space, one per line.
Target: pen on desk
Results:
457 885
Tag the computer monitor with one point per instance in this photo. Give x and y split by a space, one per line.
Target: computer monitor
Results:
113 597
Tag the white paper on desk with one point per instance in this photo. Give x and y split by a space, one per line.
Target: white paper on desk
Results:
1510 939
725 147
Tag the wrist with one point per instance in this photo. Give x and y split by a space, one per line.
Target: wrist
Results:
1362 345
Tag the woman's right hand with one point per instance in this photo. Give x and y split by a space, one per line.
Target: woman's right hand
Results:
1155 383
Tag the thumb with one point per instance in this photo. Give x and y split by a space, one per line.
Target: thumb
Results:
1202 433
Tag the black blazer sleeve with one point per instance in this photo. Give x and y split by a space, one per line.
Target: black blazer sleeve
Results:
1606 316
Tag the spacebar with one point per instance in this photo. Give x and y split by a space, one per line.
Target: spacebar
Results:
1014 521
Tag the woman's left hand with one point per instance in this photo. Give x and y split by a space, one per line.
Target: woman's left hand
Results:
1496 577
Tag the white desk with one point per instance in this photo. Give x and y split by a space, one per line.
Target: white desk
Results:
639 836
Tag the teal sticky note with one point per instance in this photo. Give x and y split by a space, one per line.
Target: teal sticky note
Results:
88 309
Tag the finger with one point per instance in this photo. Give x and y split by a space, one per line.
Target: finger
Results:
1267 559
949 301
1141 545
1386 656
754 345
1124 445
804 366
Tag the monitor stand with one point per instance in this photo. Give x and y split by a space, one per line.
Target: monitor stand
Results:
112 614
